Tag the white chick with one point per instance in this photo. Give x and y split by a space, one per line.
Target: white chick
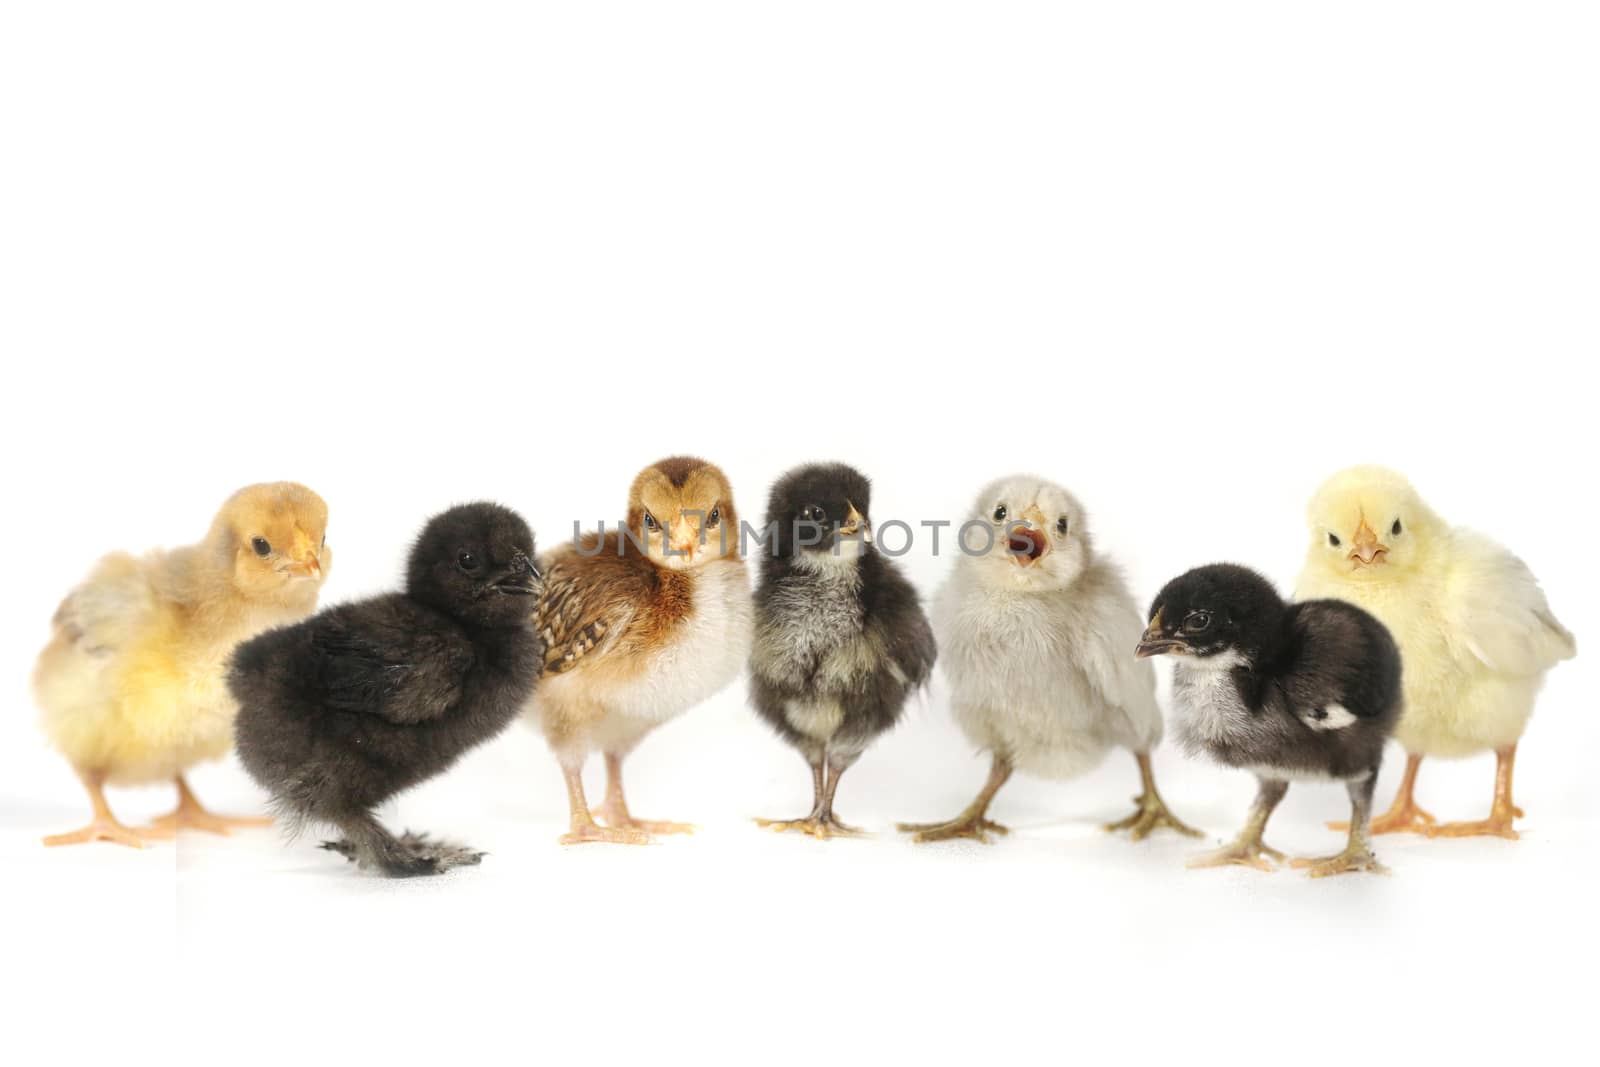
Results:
1036 637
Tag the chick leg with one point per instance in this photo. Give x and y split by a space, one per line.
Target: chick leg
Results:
826 770
614 812
1501 815
104 826
1151 813
190 815
584 829
1403 815
971 822
1248 850
367 844
1357 854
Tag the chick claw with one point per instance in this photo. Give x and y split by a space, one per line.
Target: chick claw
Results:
820 827
1346 862
977 829
1241 854
592 833
1401 819
102 830
622 820
200 819
1150 815
1496 825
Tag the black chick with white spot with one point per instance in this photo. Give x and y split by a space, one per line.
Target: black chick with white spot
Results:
841 640
363 700
1286 691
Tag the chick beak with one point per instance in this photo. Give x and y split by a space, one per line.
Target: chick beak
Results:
1027 542
305 567
1155 643
856 523
1367 550
522 578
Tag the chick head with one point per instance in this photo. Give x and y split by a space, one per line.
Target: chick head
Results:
681 510
1037 538
474 563
1218 616
274 539
1367 523
820 513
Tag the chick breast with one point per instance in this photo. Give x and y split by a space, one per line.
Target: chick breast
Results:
1047 678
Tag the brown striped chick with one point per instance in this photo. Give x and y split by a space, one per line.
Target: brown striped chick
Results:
131 686
640 625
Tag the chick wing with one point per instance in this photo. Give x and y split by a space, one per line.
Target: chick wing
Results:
1496 613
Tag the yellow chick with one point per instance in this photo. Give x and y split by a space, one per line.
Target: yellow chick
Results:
131 686
1476 634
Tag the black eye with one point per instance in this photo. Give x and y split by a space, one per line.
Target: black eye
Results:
814 513
261 546
467 562
1197 622
1333 539
715 517
649 521
1395 529
1000 513
1061 525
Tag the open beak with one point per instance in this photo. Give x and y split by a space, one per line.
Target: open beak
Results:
1027 543
1366 549
856 523
1155 643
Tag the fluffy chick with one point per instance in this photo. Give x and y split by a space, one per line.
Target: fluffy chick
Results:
1286 691
365 699
131 686
1476 631
640 624
841 640
1035 628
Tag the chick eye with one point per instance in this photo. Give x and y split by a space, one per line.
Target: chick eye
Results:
1061 526
1000 513
650 521
1395 529
1197 622
814 513
715 517
1333 539
467 562
262 547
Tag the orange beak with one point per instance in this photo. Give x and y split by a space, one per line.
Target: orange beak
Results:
1367 550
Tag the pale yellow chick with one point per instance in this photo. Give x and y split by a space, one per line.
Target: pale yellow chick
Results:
1476 634
131 686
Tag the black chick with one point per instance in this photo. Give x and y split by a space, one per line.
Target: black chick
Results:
363 700
1286 691
840 641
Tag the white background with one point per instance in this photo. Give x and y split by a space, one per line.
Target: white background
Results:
1187 259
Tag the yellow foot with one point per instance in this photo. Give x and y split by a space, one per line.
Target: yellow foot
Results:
613 835
1150 815
622 820
1497 824
1346 862
1241 854
1403 820
201 819
977 828
820 827
102 830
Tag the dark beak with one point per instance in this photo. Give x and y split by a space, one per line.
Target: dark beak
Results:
522 579
1155 643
